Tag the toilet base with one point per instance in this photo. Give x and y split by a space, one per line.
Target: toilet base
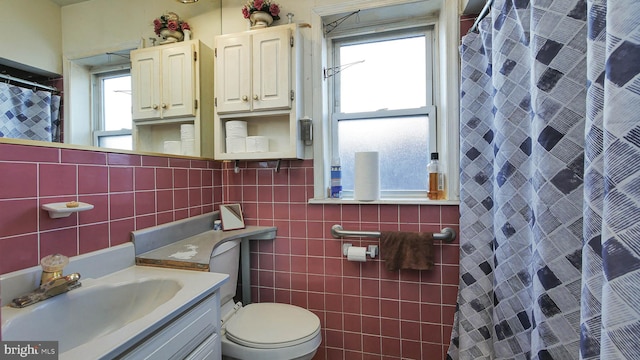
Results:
304 351
305 357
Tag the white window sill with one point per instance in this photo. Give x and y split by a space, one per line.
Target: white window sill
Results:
397 201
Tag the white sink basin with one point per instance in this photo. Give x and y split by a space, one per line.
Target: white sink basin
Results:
85 313
117 307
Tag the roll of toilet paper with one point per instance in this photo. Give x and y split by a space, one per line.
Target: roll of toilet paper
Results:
236 128
188 147
236 144
357 253
187 131
257 144
173 147
367 176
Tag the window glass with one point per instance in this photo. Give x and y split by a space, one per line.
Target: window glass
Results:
402 145
113 109
387 74
124 142
116 97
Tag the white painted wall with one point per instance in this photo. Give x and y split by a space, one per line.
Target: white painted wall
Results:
50 36
31 35
100 26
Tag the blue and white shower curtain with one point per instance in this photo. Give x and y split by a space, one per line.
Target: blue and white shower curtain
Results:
550 183
28 114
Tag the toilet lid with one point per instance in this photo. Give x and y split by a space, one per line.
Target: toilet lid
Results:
272 325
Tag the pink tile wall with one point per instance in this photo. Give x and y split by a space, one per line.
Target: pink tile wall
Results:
466 22
129 192
366 311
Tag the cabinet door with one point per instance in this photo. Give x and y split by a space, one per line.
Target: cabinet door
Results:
233 74
272 69
178 81
145 84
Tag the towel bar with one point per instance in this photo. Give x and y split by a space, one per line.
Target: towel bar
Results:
446 234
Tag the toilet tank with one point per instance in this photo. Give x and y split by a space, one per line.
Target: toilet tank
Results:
225 259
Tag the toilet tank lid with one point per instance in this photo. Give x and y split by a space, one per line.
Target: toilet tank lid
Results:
272 325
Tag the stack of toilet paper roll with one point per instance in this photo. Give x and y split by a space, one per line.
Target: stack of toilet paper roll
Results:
188 139
238 141
236 136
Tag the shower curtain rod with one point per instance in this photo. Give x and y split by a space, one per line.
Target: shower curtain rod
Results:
484 12
27 82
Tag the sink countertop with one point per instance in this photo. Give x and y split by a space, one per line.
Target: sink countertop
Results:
195 287
189 243
194 252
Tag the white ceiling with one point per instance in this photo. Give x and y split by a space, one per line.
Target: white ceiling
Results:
472 7
67 2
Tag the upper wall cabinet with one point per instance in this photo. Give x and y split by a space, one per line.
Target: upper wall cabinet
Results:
163 81
173 85
254 70
259 81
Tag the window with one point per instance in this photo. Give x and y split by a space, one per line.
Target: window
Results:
382 22
381 95
112 109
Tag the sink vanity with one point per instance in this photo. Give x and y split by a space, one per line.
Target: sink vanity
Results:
153 298
121 310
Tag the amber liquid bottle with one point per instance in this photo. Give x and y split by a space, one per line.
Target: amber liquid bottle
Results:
436 179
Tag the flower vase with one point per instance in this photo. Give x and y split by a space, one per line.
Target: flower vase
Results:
187 35
171 36
260 19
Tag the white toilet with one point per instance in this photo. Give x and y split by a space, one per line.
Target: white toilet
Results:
265 331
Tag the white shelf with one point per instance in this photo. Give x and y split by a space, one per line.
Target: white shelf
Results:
60 210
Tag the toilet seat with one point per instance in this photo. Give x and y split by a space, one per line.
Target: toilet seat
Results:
272 325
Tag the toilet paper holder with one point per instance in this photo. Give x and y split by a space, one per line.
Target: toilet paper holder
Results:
372 250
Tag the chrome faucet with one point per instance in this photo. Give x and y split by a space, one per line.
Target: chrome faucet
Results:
52 282
49 289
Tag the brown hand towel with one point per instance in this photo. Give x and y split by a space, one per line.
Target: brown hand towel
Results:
406 250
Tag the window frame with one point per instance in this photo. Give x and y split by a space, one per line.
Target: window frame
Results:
446 95
97 104
395 32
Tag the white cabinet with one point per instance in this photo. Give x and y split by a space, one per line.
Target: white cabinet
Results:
254 70
163 81
194 334
259 80
172 85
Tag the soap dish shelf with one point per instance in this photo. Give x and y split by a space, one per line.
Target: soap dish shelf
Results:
60 210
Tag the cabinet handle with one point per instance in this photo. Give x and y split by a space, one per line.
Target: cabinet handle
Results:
164 106
256 97
245 98
155 107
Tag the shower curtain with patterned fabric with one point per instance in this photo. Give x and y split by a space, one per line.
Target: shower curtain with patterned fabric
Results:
550 183
28 114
